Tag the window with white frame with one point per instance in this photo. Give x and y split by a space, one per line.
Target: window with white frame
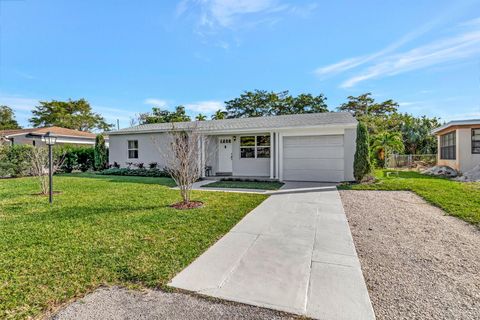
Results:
255 146
132 149
476 141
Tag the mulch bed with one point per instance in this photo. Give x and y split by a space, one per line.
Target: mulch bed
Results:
187 205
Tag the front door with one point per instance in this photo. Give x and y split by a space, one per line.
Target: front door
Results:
225 154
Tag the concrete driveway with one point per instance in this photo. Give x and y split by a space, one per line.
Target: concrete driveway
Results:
292 253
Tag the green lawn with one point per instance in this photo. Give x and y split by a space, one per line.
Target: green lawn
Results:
101 230
458 199
264 185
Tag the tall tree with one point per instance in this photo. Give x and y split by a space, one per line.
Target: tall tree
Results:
71 114
259 103
386 143
7 119
365 105
361 162
219 115
161 116
201 117
100 153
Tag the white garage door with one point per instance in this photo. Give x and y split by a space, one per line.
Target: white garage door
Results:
313 158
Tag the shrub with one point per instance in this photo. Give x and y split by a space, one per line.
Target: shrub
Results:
14 160
153 165
76 158
134 172
100 153
361 165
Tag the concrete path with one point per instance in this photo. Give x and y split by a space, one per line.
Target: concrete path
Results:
292 253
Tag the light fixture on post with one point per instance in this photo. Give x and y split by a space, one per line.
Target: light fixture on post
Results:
50 141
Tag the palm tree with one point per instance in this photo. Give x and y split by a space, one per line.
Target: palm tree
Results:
386 143
219 115
201 117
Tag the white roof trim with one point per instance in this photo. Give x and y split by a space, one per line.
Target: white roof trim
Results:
456 123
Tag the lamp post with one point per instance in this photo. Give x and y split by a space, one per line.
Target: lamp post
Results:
50 140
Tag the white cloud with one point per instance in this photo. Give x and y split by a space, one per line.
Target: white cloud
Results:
461 46
156 102
206 107
214 14
18 103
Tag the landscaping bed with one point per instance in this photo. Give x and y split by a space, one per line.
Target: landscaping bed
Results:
459 199
417 262
237 184
101 230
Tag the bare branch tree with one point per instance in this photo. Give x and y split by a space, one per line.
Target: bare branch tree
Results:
39 166
182 153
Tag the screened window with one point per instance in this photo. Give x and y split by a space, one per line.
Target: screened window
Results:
475 140
255 147
133 149
448 146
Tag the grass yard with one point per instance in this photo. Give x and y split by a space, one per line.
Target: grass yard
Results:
264 185
458 199
101 230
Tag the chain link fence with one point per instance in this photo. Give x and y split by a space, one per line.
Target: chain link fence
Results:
411 161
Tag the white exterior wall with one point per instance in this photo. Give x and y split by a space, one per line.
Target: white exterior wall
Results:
466 159
149 146
350 146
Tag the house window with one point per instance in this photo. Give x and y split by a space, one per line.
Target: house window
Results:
255 146
476 141
132 149
448 146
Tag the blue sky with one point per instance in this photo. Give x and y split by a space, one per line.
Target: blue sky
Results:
126 56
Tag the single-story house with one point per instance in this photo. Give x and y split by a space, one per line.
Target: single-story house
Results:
302 147
459 144
33 136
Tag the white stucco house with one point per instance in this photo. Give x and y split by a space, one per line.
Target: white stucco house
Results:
304 147
459 144
33 136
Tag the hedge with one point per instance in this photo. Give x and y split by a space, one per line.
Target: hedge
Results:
134 172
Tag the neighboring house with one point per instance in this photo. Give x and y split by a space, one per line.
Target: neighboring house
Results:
459 144
303 147
33 136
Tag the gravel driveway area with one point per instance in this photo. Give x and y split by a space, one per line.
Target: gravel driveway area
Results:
417 262
116 303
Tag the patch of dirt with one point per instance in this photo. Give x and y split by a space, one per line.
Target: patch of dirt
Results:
417 262
187 205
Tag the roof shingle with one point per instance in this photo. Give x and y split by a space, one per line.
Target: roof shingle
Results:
271 122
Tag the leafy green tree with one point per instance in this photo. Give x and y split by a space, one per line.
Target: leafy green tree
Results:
386 143
71 114
100 153
259 103
201 117
219 115
365 105
361 164
162 116
7 119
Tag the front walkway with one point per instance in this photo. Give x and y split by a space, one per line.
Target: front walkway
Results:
292 253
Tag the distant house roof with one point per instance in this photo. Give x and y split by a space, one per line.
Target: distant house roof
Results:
456 123
260 123
57 131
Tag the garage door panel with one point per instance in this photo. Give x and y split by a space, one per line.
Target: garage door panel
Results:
313 141
313 158
313 164
309 175
313 152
